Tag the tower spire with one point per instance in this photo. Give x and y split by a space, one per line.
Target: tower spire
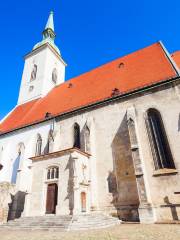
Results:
48 34
50 22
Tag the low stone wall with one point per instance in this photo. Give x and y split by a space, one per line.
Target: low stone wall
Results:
7 190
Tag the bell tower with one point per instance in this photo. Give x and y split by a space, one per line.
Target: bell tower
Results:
44 67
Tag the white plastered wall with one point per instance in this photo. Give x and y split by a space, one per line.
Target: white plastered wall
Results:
46 60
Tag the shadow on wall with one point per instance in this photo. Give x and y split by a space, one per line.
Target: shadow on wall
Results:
172 207
16 207
46 148
49 144
15 169
85 139
70 188
179 123
112 187
122 181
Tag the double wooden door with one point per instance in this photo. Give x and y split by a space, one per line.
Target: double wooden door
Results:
51 200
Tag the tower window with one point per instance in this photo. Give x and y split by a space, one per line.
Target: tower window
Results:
54 75
34 73
159 143
31 88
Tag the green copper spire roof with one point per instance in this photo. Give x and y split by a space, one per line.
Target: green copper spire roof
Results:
49 34
50 22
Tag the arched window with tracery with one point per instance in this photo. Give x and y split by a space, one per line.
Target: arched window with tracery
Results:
77 141
159 143
38 145
52 173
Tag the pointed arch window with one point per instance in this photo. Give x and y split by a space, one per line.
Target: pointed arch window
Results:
34 73
38 145
159 143
77 141
54 75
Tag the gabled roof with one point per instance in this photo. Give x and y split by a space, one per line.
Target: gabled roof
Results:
137 70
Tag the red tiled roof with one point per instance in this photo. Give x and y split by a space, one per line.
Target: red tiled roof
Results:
176 57
134 71
18 116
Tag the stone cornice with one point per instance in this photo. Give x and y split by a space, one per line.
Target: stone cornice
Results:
58 154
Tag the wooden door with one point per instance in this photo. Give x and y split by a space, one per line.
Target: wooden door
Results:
83 202
51 200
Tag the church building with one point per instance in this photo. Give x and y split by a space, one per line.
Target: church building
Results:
107 141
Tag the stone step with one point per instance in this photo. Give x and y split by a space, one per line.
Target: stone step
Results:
42 218
74 228
92 223
18 223
62 223
36 224
34 229
88 223
33 224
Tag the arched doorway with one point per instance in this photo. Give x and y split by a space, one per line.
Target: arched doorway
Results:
83 202
51 200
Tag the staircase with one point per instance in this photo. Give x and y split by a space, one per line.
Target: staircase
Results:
61 223
93 221
39 223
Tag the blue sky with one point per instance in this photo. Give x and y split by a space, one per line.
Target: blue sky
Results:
89 33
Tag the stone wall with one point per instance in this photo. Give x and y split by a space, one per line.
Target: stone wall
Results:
72 181
6 192
112 151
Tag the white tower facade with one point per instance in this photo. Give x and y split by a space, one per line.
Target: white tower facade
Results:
44 67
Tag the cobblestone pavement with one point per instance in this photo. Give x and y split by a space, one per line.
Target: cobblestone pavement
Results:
121 232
